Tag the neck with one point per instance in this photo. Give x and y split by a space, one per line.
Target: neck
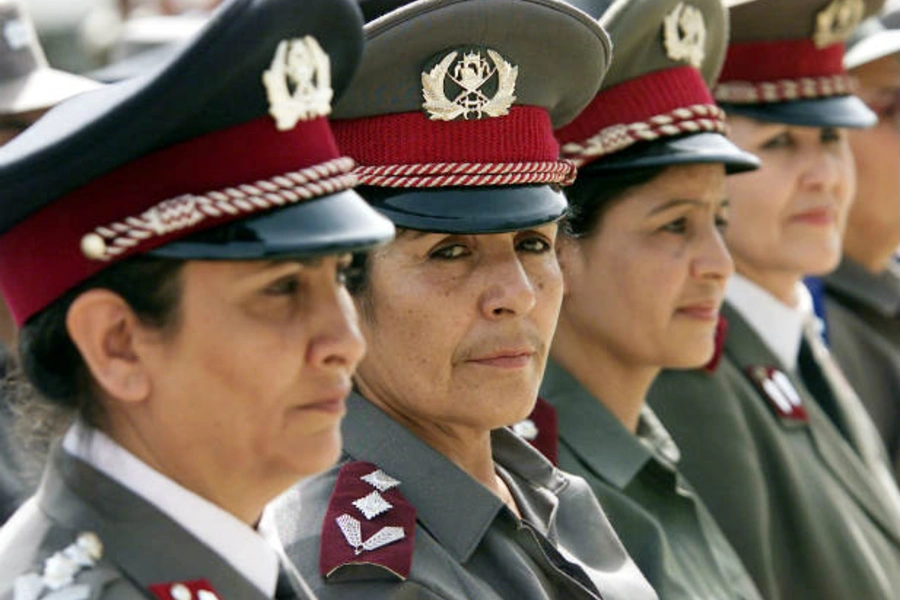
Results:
874 258
469 448
620 384
242 492
781 284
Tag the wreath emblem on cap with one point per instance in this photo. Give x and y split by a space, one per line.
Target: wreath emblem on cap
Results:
684 35
469 79
837 21
298 83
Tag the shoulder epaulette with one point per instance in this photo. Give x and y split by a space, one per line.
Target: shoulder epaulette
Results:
58 576
368 522
541 430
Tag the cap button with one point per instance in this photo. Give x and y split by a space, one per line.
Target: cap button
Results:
93 246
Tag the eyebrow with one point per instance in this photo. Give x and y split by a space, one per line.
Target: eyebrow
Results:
681 202
415 234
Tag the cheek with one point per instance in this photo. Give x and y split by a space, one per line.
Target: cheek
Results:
550 287
758 201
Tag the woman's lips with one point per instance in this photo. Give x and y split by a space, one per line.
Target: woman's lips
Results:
703 312
815 216
507 359
333 402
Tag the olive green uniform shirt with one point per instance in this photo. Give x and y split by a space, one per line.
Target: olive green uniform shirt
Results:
794 499
658 517
468 544
863 316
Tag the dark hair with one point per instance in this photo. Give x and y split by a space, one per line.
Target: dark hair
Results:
594 192
58 382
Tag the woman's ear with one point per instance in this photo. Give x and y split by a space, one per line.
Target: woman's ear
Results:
104 328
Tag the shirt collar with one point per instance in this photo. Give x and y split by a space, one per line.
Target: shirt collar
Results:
879 291
451 505
599 439
242 547
780 326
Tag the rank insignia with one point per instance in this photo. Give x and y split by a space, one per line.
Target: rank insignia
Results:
837 21
541 430
199 589
684 35
474 83
782 396
60 571
368 522
298 83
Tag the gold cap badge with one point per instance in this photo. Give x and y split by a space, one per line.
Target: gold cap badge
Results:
469 84
302 66
684 35
837 21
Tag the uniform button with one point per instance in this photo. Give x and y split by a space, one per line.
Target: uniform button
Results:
206 595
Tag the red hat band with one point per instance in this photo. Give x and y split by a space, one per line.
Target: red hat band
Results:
782 71
662 104
409 150
148 203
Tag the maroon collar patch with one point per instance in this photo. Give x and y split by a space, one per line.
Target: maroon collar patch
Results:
199 589
368 522
783 398
541 430
721 334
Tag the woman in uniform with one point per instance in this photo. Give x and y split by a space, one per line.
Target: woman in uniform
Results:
174 249
450 119
774 440
645 269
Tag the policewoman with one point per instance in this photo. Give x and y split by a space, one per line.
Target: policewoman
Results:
451 121
174 249
645 269
774 439
862 296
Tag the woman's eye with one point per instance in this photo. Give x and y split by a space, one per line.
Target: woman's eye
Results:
831 134
283 287
349 275
782 140
721 222
450 252
676 226
536 245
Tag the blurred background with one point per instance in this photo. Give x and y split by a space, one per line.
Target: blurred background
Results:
84 35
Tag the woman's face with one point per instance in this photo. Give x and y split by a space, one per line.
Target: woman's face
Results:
254 377
646 285
458 326
874 220
788 217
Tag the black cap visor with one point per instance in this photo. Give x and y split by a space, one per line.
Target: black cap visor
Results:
695 148
837 111
333 224
469 209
